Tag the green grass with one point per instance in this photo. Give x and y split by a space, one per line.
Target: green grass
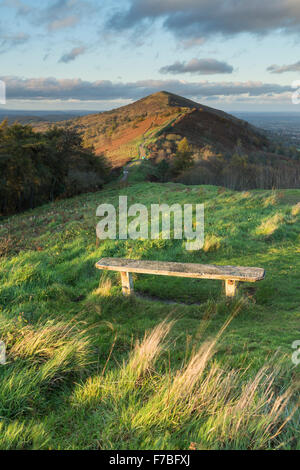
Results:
75 377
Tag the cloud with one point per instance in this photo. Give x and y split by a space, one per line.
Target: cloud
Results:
61 14
63 23
197 18
55 14
9 41
72 55
104 90
193 42
19 6
284 68
200 67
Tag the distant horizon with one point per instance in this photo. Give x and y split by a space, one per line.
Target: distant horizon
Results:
3 110
77 111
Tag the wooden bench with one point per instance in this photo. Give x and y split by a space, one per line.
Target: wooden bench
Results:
232 275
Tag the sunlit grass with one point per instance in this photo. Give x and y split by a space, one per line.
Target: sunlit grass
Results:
220 407
270 225
296 209
82 373
212 243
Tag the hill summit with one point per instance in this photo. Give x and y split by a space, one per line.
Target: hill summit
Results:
151 126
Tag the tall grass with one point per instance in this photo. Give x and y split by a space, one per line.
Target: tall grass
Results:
38 358
202 402
21 436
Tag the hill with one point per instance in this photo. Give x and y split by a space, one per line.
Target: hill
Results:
151 127
75 378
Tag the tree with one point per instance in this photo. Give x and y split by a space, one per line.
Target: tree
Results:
184 156
162 170
37 167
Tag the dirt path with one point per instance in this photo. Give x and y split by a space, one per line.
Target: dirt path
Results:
142 156
125 176
142 152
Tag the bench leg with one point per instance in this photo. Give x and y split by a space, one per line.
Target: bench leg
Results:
127 283
231 288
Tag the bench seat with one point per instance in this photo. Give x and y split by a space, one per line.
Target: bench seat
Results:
231 274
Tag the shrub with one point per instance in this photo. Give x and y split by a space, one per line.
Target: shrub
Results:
184 156
36 168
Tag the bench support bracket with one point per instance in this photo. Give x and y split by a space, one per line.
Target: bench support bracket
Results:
230 288
127 283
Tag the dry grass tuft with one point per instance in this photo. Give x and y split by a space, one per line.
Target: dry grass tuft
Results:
255 416
269 226
57 346
273 199
246 194
212 243
296 210
146 352
222 408
104 288
46 341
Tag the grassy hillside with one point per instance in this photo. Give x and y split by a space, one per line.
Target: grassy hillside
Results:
75 376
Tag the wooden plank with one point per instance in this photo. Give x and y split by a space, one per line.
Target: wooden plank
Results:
230 288
199 271
127 283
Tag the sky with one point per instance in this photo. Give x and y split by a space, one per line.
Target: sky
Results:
235 55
